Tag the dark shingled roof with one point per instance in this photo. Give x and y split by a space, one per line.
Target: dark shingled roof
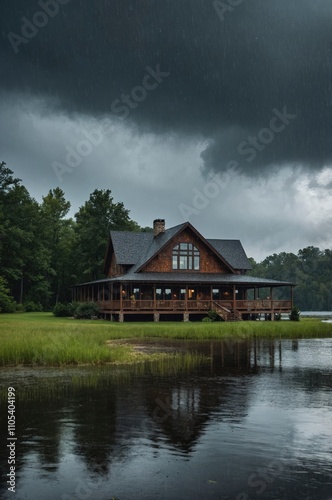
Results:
137 248
129 246
233 253
197 278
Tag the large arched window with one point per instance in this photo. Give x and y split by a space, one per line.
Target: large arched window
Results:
185 256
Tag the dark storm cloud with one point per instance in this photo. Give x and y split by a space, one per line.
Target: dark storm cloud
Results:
229 73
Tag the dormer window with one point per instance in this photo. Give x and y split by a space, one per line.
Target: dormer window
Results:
185 257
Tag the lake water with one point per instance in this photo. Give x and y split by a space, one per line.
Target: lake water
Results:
313 314
251 421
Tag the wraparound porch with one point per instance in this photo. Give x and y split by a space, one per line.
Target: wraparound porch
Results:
243 299
227 310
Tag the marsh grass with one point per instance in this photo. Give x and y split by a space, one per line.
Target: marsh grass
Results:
50 383
40 347
221 330
34 339
42 339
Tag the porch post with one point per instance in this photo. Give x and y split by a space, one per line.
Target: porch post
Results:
120 296
154 298
186 299
234 298
272 304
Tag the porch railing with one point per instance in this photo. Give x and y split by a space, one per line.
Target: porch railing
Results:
244 306
263 305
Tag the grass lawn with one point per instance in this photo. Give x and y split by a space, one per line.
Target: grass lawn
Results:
43 339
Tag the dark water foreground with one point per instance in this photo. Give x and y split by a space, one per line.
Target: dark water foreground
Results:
254 421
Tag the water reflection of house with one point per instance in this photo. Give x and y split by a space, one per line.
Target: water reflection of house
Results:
182 410
103 419
175 274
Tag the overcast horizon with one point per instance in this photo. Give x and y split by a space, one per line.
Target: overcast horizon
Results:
214 112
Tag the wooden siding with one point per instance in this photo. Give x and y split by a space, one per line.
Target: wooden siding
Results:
115 269
209 263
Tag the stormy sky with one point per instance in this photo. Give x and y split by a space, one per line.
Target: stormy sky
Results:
215 112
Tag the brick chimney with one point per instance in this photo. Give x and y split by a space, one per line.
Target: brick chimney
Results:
158 226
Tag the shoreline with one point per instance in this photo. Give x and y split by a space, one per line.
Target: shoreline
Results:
40 339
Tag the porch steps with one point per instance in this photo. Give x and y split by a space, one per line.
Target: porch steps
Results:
226 314
234 316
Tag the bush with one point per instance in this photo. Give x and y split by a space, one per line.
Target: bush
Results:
211 316
7 306
295 314
62 310
80 310
86 310
7 303
30 306
20 308
277 317
74 306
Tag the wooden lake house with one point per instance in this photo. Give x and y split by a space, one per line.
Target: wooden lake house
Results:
177 274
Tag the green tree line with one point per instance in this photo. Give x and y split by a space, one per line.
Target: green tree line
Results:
43 252
310 269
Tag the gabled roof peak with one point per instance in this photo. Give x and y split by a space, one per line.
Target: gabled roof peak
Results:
136 249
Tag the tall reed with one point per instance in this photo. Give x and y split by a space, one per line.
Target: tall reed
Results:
41 339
